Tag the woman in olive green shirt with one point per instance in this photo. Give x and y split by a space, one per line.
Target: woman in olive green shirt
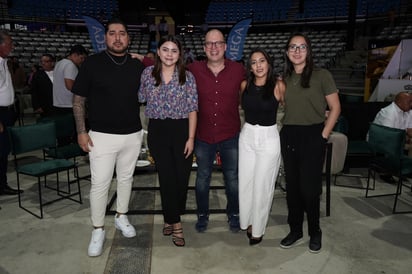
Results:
309 91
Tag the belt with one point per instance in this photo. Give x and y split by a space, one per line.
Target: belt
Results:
7 107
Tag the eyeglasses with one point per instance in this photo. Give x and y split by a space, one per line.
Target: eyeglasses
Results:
302 48
217 44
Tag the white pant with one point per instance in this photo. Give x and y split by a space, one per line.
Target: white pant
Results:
110 151
259 161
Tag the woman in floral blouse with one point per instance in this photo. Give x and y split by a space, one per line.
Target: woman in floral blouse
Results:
171 105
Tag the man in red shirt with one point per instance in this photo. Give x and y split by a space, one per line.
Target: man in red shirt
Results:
218 83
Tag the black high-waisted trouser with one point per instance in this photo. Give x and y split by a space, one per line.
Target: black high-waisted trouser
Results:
303 150
167 139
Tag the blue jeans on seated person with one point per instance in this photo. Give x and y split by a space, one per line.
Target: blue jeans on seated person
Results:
205 155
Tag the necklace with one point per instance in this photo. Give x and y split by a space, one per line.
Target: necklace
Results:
114 61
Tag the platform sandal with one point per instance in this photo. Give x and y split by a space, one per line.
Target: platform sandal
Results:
178 241
167 230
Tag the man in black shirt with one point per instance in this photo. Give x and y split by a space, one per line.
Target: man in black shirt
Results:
109 81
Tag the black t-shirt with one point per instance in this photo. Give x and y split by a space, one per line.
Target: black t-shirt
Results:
111 91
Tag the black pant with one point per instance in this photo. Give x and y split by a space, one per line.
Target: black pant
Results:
7 118
166 140
303 150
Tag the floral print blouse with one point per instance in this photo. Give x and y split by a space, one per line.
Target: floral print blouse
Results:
170 100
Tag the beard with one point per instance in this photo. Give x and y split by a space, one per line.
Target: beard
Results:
117 50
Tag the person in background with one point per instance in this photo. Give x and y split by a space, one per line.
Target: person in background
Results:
65 72
42 87
151 55
34 68
19 79
163 27
7 112
218 82
397 115
109 81
153 31
18 75
188 56
171 105
309 91
259 145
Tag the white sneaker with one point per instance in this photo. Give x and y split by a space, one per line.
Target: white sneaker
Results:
122 223
96 242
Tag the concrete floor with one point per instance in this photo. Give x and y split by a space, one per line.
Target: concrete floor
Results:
360 236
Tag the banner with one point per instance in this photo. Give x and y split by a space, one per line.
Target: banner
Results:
96 33
236 39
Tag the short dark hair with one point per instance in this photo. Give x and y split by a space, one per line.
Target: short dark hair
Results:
50 56
78 49
116 21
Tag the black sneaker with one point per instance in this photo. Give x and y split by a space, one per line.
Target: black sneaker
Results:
315 243
291 239
202 222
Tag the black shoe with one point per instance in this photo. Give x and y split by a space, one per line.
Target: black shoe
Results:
291 239
9 191
249 234
315 243
255 241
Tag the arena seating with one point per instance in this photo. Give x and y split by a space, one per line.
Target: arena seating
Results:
64 9
30 45
398 32
223 11
328 45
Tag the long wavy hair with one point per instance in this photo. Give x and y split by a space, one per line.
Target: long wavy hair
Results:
308 69
270 81
180 65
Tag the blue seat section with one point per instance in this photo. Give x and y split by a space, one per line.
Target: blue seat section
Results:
229 11
65 9
260 11
377 7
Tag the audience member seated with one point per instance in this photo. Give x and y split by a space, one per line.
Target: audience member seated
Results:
354 123
397 115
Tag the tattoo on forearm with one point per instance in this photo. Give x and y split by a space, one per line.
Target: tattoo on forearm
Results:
79 112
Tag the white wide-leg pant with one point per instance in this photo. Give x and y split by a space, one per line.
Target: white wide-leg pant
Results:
259 161
110 151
